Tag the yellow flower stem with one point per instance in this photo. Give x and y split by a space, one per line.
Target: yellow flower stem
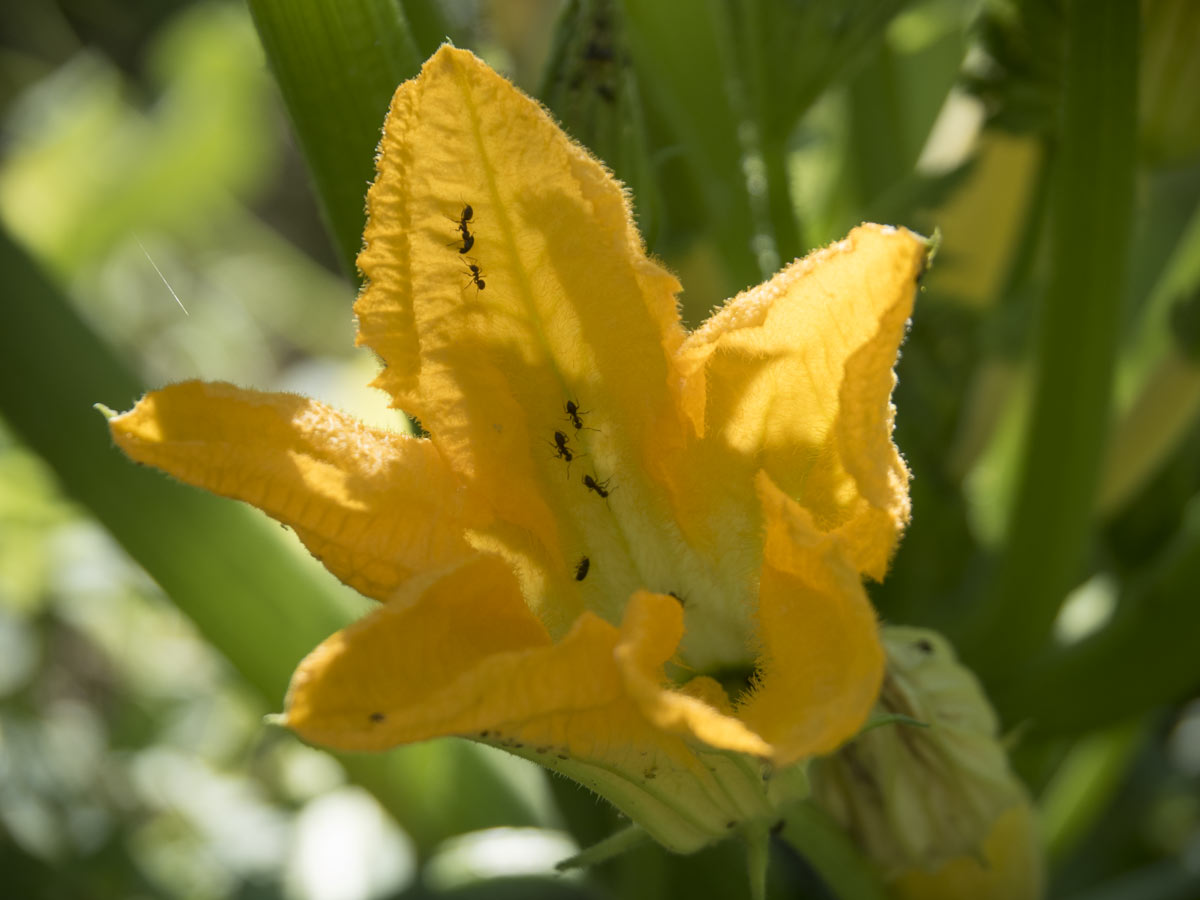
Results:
1092 197
846 872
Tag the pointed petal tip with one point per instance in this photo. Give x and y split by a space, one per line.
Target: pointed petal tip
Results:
447 54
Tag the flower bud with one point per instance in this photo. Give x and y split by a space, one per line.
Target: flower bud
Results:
933 800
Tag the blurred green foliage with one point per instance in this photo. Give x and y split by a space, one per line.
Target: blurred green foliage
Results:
151 144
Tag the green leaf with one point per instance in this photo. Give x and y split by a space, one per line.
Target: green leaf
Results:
800 49
430 27
337 63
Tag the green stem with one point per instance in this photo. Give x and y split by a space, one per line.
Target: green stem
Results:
614 845
774 209
685 61
1084 784
1156 625
337 63
827 848
784 218
878 157
748 85
1078 325
758 857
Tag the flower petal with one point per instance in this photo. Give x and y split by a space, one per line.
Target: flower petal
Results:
373 506
651 631
1009 866
570 310
822 661
460 653
390 678
795 377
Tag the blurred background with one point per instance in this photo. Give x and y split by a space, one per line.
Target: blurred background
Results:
160 223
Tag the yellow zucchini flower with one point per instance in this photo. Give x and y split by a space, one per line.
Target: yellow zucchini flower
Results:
609 513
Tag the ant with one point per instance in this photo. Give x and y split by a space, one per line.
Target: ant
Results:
466 217
476 274
581 569
561 450
574 412
600 487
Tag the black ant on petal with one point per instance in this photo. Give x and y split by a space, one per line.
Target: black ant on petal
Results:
562 451
467 216
574 413
476 274
600 487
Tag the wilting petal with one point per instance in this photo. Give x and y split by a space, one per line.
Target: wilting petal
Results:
373 506
461 654
795 377
822 662
571 311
